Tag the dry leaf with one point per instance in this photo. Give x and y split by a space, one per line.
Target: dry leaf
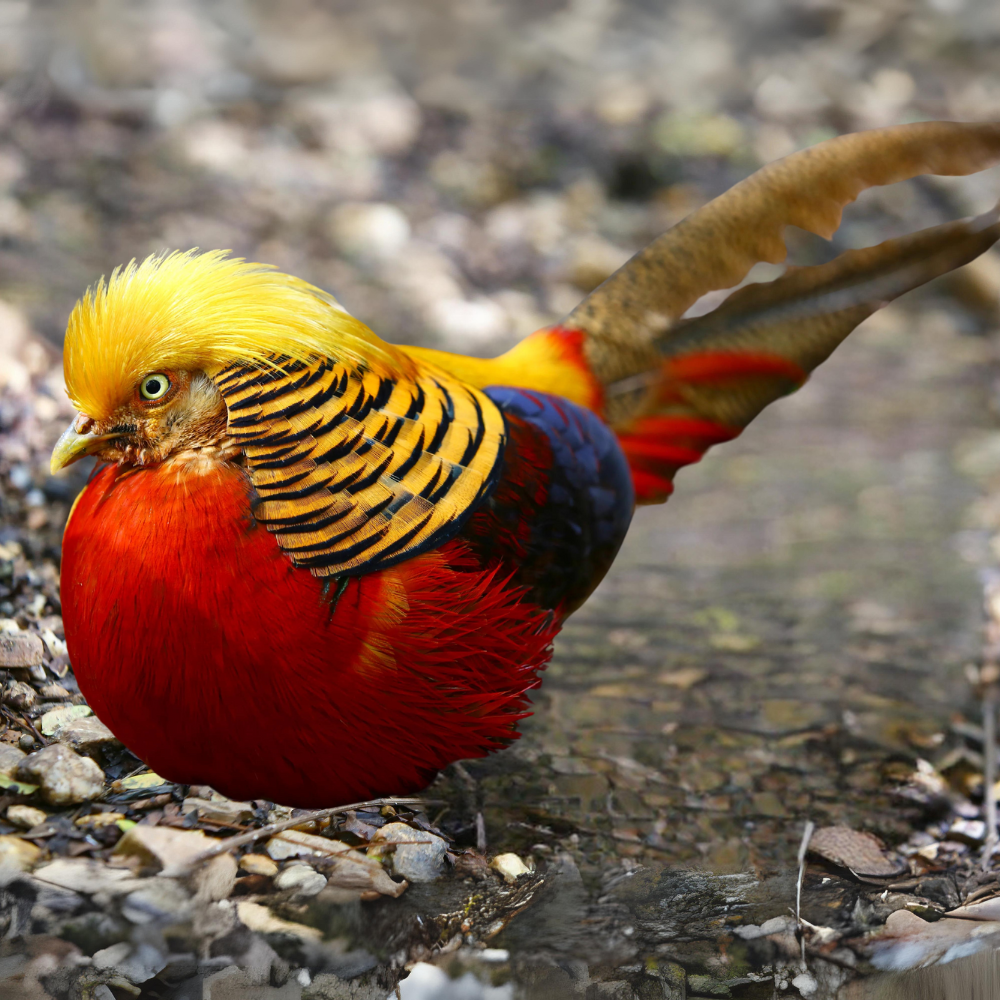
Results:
163 847
860 852
360 873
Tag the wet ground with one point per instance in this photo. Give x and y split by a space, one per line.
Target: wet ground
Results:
781 642
785 642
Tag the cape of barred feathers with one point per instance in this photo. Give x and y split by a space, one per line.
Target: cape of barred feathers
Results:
202 311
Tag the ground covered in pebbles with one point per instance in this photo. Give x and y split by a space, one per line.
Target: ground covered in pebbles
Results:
787 642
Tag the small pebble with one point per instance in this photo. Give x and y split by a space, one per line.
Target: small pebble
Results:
510 866
26 743
65 778
20 649
303 879
258 864
54 692
10 759
55 645
369 230
218 809
417 856
17 853
805 984
20 695
56 717
26 816
88 735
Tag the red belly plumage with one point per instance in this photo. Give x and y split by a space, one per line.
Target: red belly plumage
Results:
216 661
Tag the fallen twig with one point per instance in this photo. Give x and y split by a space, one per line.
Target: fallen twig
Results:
803 848
988 684
223 846
989 774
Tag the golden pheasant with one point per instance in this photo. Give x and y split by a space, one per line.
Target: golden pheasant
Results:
311 566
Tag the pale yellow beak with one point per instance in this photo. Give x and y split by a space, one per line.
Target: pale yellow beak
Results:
72 446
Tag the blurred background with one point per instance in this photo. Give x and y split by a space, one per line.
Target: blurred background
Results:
458 172
461 172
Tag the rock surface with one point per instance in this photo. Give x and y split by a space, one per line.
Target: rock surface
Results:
10 759
305 881
20 649
64 777
417 855
25 816
18 853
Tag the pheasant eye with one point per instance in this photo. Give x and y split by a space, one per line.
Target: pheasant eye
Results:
154 386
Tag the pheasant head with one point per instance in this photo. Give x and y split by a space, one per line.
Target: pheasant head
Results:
141 349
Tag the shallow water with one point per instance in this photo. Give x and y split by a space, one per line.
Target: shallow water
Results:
776 644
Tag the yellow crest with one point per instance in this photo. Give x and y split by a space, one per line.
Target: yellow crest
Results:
203 311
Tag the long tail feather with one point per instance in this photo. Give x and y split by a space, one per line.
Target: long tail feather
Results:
720 370
715 247
672 387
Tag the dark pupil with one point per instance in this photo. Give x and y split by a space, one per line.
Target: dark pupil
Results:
153 386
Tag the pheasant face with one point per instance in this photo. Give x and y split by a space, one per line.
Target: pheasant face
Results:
169 415
143 347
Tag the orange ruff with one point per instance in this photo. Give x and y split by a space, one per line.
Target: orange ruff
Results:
218 662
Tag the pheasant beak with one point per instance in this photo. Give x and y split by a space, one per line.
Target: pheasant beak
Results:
77 441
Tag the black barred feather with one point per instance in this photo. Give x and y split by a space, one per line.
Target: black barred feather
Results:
355 471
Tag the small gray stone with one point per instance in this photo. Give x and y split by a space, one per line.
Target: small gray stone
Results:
20 649
10 759
418 856
64 776
303 879
20 695
86 735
